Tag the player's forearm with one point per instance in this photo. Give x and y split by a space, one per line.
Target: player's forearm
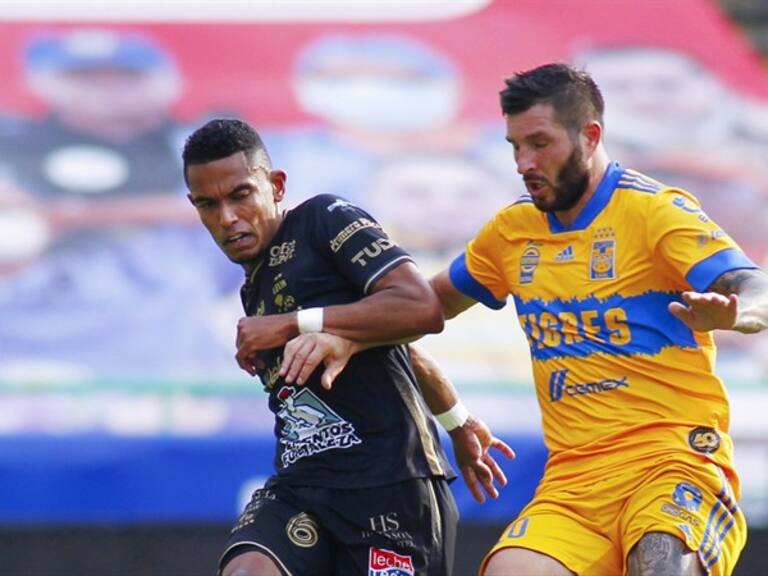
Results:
392 315
751 286
438 391
753 303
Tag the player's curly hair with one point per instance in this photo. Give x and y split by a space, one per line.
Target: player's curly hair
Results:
222 137
573 94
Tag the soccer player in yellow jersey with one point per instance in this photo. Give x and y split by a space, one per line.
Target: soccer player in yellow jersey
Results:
618 281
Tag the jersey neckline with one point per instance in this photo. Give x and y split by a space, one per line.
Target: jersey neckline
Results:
594 206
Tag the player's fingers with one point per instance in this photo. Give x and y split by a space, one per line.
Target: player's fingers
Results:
503 447
239 333
498 473
301 351
680 311
310 363
289 353
332 369
246 363
471 481
485 477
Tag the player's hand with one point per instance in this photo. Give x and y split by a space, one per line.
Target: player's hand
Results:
471 445
303 354
706 311
258 333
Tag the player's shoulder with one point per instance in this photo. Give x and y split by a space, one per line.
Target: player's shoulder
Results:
328 212
328 203
656 194
520 215
634 180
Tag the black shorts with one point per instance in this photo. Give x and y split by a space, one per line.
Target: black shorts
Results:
402 529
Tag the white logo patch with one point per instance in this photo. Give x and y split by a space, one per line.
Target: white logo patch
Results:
310 426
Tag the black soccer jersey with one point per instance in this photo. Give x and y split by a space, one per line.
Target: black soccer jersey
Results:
373 427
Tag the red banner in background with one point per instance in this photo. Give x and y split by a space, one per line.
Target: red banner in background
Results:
248 67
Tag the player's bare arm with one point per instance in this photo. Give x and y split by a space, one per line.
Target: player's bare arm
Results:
302 355
737 300
401 304
472 440
452 301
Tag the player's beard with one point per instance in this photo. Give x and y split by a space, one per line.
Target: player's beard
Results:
572 182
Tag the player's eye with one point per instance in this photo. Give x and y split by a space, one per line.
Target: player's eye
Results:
240 194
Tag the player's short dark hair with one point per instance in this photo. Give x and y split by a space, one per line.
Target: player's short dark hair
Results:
221 138
573 94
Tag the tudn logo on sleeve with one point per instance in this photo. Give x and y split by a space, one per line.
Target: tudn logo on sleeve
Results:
383 562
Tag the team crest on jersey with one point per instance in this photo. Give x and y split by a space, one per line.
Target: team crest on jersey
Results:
704 439
602 265
383 562
602 262
529 261
310 426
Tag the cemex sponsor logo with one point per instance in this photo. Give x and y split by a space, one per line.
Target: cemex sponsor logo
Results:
383 562
558 387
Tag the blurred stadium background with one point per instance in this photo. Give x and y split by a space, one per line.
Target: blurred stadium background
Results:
128 439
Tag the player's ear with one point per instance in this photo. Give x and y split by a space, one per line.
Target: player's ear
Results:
593 135
277 179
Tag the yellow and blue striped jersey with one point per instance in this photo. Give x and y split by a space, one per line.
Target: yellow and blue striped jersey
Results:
609 359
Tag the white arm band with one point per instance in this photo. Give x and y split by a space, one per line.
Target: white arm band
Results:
310 320
454 417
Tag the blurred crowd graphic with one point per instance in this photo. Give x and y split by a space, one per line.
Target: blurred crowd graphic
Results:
105 275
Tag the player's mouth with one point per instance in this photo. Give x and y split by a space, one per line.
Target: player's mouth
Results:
239 239
535 186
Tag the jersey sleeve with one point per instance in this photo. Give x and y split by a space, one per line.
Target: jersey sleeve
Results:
478 273
355 242
697 249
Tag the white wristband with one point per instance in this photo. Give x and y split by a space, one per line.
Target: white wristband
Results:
454 417
310 320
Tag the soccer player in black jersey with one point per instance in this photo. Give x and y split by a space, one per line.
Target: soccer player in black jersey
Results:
361 482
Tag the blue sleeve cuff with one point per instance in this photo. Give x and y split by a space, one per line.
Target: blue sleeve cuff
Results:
467 285
703 274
